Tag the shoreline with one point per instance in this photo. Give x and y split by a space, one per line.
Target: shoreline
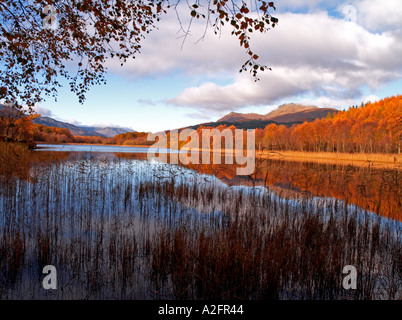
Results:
360 159
92 144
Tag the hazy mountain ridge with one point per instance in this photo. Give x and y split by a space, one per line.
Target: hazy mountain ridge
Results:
106 132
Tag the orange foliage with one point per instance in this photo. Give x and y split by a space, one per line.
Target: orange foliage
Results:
47 134
371 128
44 133
132 138
15 126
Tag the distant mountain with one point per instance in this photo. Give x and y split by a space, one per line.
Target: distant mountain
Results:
82 130
241 124
238 117
289 108
303 115
285 113
108 131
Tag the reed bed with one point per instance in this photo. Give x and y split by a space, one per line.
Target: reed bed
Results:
377 160
128 229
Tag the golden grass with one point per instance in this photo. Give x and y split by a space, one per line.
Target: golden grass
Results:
378 160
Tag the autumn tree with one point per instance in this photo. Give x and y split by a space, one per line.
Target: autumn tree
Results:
372 127
16 126
44 42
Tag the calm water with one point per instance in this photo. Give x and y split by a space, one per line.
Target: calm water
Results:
376 190
117 225
96 148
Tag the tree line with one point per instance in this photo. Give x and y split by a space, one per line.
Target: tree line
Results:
42 133
371 128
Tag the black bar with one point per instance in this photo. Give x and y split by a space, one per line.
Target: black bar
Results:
199 309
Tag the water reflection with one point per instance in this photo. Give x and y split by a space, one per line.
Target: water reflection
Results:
375 189
94 148
118 226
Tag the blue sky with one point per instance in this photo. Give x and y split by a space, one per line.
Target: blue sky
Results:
326 53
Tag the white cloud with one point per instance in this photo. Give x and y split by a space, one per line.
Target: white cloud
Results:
310 53
70 121
297 4
163 51
274 86
379 15
44 112
244 91
327 102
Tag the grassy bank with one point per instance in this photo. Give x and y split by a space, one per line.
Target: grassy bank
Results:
359 159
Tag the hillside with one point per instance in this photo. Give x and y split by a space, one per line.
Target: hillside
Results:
245 124
106 132
290 108
238 117
302 115
286 113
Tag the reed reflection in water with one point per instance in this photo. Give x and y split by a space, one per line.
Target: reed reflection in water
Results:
118 228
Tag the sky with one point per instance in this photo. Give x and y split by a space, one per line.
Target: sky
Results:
324 53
